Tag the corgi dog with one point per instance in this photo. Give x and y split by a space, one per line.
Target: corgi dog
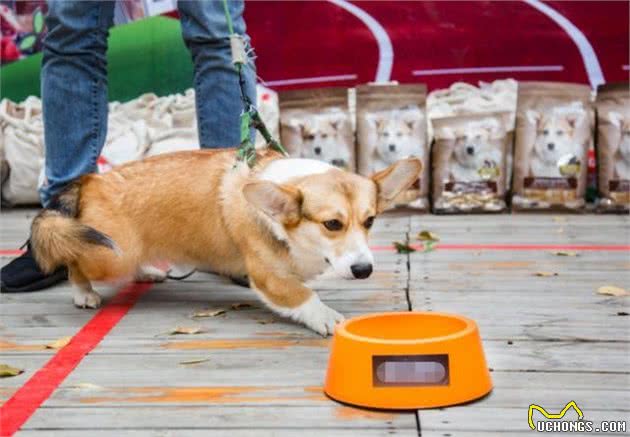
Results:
554 142
474 149
280 223
322 139
622 164
397 137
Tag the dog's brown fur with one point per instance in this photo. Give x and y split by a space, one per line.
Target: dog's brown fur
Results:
198 208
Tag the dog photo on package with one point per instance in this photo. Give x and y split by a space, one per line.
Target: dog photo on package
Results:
469 160
613 147
316 124
392 125
553 136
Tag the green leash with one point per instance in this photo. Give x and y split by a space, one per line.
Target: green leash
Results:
250 116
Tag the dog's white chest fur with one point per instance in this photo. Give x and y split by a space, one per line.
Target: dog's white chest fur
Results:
283 170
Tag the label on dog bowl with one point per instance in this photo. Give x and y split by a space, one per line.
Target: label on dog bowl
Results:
410 370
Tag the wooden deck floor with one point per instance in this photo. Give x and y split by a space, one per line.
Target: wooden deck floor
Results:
548 340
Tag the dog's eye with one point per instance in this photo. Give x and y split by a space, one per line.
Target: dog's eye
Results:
385 134
324 135
369 222
333 225
399 134
559 133
309 137
546 132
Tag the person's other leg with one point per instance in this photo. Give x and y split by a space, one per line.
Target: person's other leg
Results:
217 92
74 90
74 94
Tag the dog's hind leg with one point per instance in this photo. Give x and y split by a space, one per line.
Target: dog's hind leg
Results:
83 294
149 273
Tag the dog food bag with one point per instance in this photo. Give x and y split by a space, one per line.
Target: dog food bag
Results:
392 125
613 147
315 123
554 131
469 163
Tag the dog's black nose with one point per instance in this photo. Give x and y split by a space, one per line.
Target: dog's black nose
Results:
470 150
361 271
338 162
317 150
392 147
551 146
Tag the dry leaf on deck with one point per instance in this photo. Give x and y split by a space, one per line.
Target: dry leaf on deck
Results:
612 290
559 219
58 344
200 360
185 330
565 253
546 274
239 306
212 312
7 371
403 247
428 236
265 321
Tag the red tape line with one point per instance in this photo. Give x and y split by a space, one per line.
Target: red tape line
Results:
515 247
518 247
17 410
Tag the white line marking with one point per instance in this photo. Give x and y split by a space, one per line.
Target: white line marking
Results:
385 50
591 63
625 67
316 79
508 69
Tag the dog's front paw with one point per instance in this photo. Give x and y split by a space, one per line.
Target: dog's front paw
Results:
317 316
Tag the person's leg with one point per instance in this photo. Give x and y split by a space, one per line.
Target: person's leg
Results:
74 94
74 90
217 92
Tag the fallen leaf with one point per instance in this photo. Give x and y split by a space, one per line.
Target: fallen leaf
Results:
565 253
265 321
239 306
546 274
403 247
612 290
428 236
200 360
58 344
209 312
185 330
559 219
8 371
429 246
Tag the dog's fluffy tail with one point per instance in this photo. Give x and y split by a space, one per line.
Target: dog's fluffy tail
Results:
58 238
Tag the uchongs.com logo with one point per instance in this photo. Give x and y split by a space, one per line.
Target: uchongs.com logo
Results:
553 422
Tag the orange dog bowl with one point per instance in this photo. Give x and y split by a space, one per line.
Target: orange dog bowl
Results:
407 361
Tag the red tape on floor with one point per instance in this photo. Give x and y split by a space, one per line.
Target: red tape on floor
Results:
17 410
519 247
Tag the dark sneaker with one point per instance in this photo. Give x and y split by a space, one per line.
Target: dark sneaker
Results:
23 274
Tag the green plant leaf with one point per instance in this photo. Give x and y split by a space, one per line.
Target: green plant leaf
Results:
38 21
27 42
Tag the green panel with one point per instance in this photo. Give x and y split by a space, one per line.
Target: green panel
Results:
145 56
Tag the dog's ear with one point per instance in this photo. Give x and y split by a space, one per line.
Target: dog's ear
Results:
575 118
280 202
394 180
375 120
534 117
615 118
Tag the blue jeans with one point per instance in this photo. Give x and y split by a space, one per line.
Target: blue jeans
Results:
74 82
